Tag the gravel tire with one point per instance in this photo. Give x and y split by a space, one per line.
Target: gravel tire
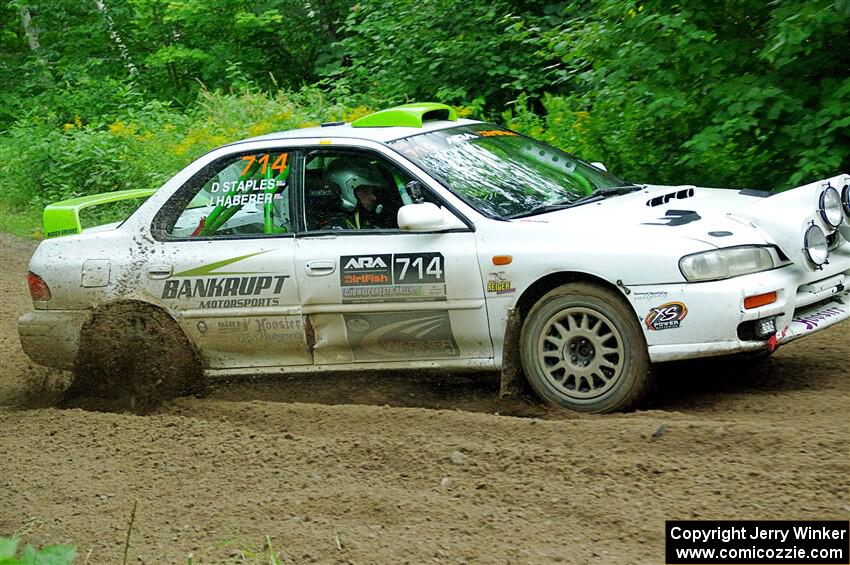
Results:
582 349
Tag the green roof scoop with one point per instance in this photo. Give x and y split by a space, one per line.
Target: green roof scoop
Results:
407 115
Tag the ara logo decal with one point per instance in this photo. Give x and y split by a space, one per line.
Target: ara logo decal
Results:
666 317
365 270
365 262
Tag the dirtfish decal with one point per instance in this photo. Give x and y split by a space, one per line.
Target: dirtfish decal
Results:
386 277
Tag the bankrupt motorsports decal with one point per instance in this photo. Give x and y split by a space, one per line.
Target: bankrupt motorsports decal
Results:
243 290
666 317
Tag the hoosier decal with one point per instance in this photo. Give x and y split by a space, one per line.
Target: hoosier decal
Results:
667 316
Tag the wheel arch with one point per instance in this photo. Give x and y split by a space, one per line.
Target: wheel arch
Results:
536 290
135 354
139 305
510 368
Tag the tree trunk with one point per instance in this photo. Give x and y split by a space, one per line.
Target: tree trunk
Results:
116 37
29 29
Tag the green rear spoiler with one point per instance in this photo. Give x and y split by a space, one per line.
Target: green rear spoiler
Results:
63 218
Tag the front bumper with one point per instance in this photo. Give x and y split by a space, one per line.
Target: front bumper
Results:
715 316
52 337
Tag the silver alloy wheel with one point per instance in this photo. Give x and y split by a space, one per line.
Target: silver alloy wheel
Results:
581 353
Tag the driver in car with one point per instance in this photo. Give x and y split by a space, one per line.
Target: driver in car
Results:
369 187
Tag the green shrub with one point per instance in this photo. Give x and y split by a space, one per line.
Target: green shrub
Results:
42 161
48 555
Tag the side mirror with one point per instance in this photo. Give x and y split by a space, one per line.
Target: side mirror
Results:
599 165
427 217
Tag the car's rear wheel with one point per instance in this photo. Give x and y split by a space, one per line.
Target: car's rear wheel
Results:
582 349
133 356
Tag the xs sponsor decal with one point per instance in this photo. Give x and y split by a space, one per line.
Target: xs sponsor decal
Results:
392 277
400 335
811 322
498 284
204 287
667 316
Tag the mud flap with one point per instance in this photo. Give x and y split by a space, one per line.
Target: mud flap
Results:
511 383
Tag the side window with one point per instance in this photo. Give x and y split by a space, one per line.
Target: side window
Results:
355 191
247 194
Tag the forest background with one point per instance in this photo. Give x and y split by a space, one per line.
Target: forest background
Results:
103 95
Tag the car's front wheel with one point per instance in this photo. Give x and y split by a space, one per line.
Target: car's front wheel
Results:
582 349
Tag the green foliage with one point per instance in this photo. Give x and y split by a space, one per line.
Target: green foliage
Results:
44 161
48 555
453 51
732 93
101 95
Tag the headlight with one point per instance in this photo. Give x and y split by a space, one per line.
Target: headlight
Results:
725 263
830 207
815 246
845 200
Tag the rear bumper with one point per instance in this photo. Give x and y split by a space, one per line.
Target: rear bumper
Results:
52 337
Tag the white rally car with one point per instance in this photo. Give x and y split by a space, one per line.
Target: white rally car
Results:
411 239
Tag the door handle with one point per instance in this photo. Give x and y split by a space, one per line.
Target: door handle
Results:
160 271
320 267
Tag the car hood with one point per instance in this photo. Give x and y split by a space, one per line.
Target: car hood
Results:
716 217
656 226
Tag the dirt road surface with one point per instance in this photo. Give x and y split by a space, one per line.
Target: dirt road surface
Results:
397 469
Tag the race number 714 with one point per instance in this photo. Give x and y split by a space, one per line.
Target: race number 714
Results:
417 268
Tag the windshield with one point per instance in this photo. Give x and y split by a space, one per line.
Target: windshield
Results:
501 173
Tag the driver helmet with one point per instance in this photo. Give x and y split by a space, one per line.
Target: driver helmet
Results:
351 174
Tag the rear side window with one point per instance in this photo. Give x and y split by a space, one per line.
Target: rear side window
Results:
242 195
